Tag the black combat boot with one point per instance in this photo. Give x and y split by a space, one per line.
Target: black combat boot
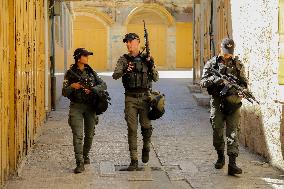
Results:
87 160
233 169
221 160
80 168
146 133
133 165
145 155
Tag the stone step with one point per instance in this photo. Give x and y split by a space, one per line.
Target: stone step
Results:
202 99
194 88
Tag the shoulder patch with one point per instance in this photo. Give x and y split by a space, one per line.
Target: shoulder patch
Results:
122 59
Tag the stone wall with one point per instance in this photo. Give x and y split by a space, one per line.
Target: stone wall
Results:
221 25
255 31
180 9
118 12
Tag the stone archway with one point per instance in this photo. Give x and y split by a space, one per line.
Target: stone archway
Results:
158 21
91 31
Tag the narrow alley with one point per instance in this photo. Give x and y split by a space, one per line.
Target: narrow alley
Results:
182 154
194 44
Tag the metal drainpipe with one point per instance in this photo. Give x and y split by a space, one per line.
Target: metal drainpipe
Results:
212 44
194 65
52 60
46 43
64 11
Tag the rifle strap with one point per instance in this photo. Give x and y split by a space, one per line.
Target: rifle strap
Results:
89 69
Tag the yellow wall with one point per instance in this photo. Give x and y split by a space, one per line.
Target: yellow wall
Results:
157 30
281 32
21 80
4 89
157 40
184 45
59 58
92 35
62 37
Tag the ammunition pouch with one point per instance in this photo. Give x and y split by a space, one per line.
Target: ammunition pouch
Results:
229 108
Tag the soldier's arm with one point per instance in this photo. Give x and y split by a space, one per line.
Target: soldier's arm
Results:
153 70
67 90
100 84
155 74
243 78
120 68
207 78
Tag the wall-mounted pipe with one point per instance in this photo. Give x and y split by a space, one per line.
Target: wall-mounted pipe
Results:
46 58
52 59
194 64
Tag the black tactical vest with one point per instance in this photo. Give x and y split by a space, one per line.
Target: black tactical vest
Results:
231 68
80 95
138 77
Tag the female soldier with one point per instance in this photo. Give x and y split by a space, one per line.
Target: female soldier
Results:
82 116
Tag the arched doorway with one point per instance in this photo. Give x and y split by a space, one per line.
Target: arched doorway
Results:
91 34
157 21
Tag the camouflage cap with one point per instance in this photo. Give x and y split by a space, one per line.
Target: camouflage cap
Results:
228 46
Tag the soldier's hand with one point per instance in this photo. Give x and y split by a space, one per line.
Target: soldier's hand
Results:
130 67
87 91
240 95
76 85
150 62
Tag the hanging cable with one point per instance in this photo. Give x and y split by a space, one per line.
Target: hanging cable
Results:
212 45
225 19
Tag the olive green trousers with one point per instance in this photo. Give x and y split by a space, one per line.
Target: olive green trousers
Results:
218 121
82 120
137 109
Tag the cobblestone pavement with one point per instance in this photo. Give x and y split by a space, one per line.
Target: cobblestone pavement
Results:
182 154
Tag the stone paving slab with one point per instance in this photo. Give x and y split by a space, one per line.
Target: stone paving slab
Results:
107 169
145 175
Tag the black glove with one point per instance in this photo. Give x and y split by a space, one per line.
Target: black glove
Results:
150 63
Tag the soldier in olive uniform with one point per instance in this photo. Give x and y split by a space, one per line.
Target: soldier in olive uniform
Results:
137 72
82 116
225 109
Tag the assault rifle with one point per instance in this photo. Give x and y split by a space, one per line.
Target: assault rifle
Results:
101 99
232 81
146 37
85 82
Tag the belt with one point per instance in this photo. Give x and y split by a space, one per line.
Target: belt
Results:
137 90
136 95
